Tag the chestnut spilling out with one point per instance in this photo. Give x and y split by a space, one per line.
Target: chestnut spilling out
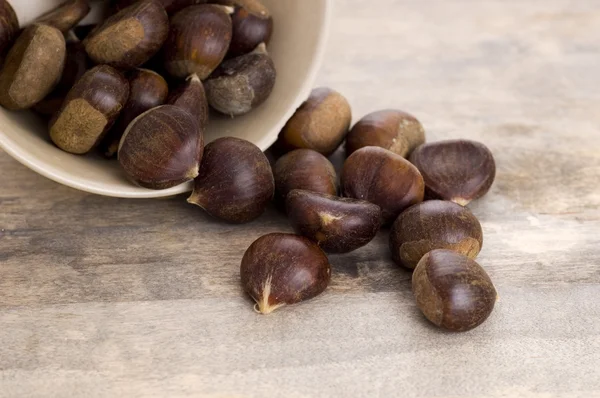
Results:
140 85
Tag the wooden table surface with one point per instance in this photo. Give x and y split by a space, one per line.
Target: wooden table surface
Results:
103 297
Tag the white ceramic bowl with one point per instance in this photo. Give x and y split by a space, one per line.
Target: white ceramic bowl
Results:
297 48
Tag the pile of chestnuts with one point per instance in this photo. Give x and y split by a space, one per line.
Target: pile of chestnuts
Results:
139 86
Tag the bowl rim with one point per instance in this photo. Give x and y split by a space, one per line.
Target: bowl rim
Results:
40 167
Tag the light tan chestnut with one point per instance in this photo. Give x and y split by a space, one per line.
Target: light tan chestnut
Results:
321 123
89 110
131 37
33 67
65 16
162 148
391 129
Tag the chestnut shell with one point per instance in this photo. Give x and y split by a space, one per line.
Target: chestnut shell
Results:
279 269
191 97
171 6
9 27
251 26
66 16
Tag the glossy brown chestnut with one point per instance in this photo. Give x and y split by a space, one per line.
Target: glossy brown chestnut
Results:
304 169
235 182
434 224
198 41
252 25
171 6
33 67
384 178
391 129
131 37
9 26
456 170
241 84
89 110
321 123
453 291
148 90
66 16
279 269
191 96
76 64
337 225
161 148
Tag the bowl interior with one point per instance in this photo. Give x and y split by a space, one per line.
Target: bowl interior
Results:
297 48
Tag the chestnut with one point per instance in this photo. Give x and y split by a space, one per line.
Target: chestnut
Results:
235 182
33 67
391 129
456 170
191 97
76 64
198 41
131 37
337 225
171 6
321 123
252 25
161 148
241 84
9 26
384 178
304 169
66 16
434 224
89 110
279 269
453 291
147 90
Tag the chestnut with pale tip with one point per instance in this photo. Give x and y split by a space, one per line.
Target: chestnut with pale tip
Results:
455 170
161 148
453 291
321 123
282 269
337 225
198 40
434 224
33 67
235 183
191 97
89 110
384 178
304 169
131 37
66 16
391 129
241 84
147 90
9 26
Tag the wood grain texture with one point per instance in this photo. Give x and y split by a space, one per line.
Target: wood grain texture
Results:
104 297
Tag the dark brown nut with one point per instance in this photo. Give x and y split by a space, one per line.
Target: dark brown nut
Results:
198 41
456 170
384 178
321 123
161 148
279 269
434 224
83 31
391 129
191 97
76 64
66 16
9 26
453 291
89 110
171 6
337 225
147 90
252 25
235 182
241 84
304 169
131 37
33 67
